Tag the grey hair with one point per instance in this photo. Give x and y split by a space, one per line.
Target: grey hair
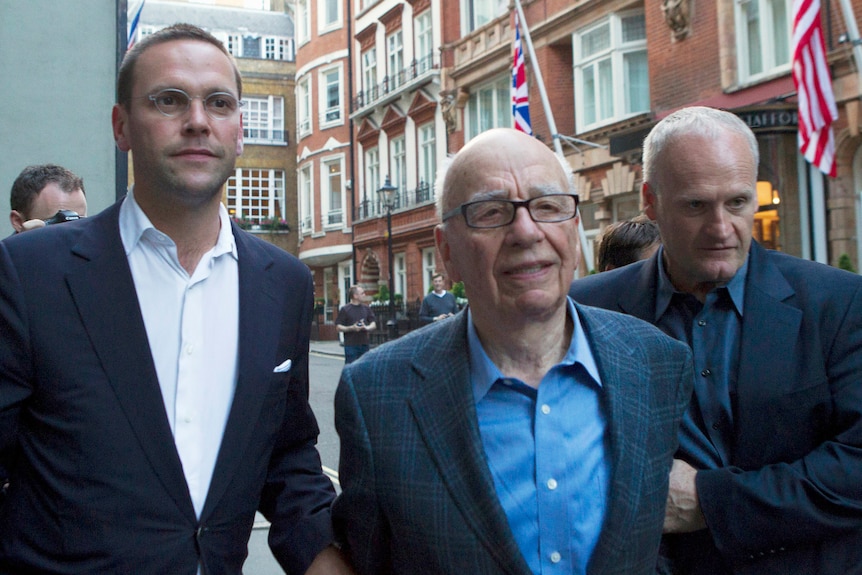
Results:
442 192
695 120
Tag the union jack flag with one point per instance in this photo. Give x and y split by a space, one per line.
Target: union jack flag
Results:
135 13
817 108
520 94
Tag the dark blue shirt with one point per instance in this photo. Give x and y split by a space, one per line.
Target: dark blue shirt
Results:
547 451
713 331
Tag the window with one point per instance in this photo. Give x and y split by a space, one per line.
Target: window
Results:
260 47
303 22
330 92
395 54
328 14
256 194
280 48
429 268
611 74
263 120
369 76
490 106
400 276
477 13
303 106
306 198
398 166
333 191
427 155
763 37
372 182
424 52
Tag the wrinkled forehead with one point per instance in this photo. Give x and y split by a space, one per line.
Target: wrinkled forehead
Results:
506 173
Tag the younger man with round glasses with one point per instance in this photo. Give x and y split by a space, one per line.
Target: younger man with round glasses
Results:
527 434
185 409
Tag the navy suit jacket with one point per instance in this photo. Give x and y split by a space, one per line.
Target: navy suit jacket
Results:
97 485
790 502
418 496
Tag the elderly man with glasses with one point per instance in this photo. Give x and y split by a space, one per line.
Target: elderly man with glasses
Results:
526 434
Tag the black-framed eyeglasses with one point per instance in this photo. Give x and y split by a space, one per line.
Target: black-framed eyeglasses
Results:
172 102
485 214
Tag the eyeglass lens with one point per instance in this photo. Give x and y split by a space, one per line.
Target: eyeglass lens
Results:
497 213
172 101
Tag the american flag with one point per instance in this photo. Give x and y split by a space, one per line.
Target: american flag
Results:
520 94
817 108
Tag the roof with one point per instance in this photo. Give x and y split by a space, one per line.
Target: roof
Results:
218 18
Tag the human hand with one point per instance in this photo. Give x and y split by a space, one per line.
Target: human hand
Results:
682 512
330 561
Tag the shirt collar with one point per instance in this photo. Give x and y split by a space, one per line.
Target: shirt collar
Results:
664 293
134 225
483 372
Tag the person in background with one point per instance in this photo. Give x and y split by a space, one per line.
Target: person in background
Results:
45 194
355 319
439 303
766 480
628 241
528 434
154 358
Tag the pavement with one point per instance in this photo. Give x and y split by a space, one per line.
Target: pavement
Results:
330 348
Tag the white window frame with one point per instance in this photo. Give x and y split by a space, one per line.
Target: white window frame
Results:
330 115
333 217
617 106
303 22
334 22
303 106
429 268
477 13
306 198
371 164
400 268
489 106
265 114
248 186
398 166
423 27
395 58
774 49
427 136
369 74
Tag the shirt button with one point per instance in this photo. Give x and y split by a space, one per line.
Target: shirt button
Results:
552 484
190 348
706 373
701 322
546 409
555 557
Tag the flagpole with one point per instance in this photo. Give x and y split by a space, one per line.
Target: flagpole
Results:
586 250
853 37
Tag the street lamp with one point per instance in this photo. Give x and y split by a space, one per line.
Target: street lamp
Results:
387 196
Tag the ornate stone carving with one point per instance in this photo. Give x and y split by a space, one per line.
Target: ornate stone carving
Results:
677 16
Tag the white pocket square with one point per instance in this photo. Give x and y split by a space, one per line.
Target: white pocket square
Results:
284 367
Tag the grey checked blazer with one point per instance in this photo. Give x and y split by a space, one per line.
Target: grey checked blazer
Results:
418 496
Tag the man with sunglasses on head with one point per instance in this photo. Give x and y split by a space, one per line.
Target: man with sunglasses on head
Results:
161 398
527 434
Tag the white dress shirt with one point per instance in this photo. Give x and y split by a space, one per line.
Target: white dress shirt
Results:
192 325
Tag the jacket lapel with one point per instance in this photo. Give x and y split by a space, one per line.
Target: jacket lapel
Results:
445 413
620 400
260 305
639 301
104 292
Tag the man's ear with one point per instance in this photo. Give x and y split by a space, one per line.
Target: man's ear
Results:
119 122
446 253
649 199
239 143
17 220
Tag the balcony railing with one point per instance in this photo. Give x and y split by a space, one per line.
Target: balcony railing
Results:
423 194
393 82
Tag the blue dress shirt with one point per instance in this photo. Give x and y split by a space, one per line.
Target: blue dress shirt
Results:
713 331
547 451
